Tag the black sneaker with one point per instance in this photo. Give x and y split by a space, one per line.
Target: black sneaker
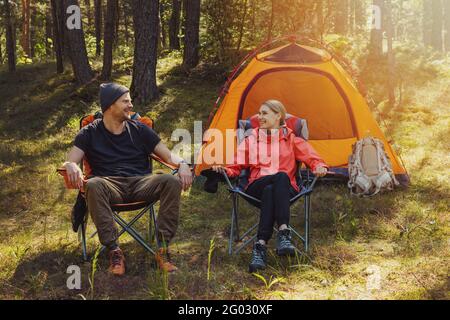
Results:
259 257
284 243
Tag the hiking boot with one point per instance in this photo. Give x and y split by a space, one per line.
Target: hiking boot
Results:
284 243
116 262
163 260
259 257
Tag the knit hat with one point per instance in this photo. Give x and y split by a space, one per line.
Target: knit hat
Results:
109 93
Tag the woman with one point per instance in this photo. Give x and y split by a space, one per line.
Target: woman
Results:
272 176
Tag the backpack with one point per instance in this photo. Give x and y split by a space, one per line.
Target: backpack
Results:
369 168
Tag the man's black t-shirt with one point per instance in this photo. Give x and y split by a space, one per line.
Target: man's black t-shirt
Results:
122 155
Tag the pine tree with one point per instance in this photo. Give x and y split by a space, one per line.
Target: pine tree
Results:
191 37
174 25
447 25
58 34
146 23
77 47
25 38
10 38
437 24
109 36
98 26
376 35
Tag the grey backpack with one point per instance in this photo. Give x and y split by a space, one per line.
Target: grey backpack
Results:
369 168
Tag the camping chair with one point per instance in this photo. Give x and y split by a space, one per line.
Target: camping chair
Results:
306 185
143 206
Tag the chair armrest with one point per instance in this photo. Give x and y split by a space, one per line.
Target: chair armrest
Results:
63 172
167 165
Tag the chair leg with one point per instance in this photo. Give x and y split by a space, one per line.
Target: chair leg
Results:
82 229
150 227
245 244
155 226
233 228
230 240
236 222
307 222
126 227
133 233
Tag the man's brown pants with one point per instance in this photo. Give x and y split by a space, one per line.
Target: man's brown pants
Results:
102 192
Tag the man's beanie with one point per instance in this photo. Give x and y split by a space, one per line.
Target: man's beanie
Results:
109 93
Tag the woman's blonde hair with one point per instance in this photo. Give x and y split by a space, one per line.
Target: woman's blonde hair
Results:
277 107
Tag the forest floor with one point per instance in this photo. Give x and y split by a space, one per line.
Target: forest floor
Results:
392 246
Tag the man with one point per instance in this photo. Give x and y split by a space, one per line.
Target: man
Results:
118 150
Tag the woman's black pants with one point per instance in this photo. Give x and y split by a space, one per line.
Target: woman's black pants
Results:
274 191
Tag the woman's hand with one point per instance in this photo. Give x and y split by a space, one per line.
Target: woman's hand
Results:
219 169
320 171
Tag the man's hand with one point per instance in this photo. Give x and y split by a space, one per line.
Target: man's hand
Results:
320 171
184 171
74 174
185 175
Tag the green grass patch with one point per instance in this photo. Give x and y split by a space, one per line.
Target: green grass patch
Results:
401 233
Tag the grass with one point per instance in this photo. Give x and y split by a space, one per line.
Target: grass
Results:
403 235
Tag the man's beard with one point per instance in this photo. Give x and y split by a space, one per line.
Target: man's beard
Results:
127 116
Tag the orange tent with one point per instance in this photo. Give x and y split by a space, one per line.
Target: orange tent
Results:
312 85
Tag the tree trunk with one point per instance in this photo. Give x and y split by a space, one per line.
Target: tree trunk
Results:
87 4
376 35
191 37
436 29
58 35
98 27
253 19
447 25
146 22
319 30
48 30
427 22
174 25
1 50
241 26
351 17
272 13
10 37
360 17
162 26
62 20
117 25
33 27
341 17
77 48
25 39
390 53
108 40
357 16
125 22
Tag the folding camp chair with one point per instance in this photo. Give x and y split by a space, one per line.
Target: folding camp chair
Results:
143 206
237 190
